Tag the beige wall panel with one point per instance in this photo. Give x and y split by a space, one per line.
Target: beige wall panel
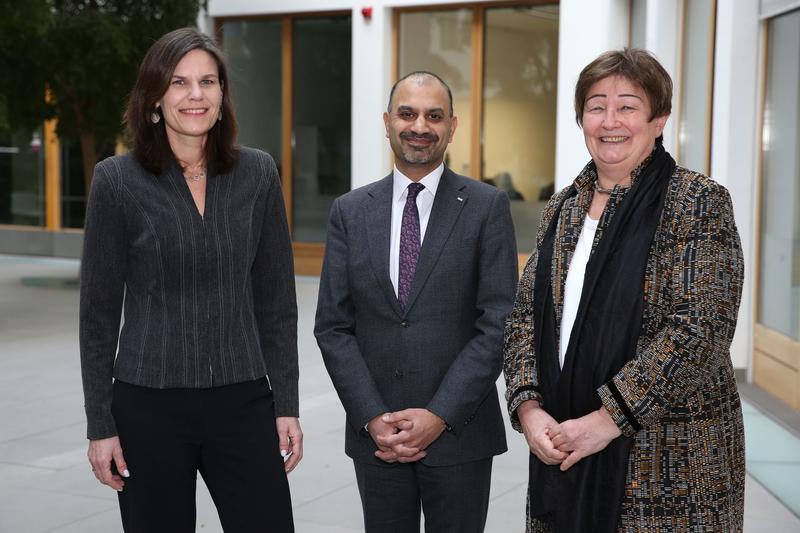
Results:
776 378
777 346
517 110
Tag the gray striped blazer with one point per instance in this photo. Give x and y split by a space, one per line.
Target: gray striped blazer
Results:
208 301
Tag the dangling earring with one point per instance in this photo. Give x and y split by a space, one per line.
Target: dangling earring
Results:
155 117
219 117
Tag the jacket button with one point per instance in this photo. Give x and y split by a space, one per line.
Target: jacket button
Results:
404 323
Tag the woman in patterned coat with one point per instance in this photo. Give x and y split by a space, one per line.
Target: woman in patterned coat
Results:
617 356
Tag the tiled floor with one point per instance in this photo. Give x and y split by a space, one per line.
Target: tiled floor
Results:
46 485
773 456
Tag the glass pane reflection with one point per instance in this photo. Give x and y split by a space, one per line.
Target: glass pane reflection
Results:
695 119
779 298
253 48
22 179
321 121
519 117
441 42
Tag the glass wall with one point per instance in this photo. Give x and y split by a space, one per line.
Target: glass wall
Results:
253 48
321 94
441 42
779 296
519 119
513 52
319 86
73 182
694 120
22 179
73 188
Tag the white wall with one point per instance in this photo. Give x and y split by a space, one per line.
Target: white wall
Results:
371 81
222 8
733 145
225 8
662 35
586 29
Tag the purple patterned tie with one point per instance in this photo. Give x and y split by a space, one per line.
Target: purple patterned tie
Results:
409 244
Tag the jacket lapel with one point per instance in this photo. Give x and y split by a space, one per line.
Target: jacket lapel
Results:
568 233
378 219
447 205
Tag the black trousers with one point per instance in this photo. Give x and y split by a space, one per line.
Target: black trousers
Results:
454 499
226 433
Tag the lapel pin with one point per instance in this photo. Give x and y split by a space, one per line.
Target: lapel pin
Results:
459 199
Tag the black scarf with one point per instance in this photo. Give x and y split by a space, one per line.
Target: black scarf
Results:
587 497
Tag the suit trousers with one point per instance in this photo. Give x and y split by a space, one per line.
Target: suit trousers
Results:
226 433
454 499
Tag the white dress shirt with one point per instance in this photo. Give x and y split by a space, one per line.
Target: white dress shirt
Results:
573 287
424 205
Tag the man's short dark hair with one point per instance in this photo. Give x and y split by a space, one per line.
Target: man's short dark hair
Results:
423 75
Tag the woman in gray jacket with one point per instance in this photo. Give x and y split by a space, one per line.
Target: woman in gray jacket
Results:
188 234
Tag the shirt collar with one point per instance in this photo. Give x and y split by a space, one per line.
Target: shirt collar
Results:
401 182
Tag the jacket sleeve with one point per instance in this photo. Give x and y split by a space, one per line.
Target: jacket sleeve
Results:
519 359
473 372
274 298
335 329
102 282
706 284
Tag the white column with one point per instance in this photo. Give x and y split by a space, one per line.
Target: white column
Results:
733 145
204 22
586 29
371 77
663 30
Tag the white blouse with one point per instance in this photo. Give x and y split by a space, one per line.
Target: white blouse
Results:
574 284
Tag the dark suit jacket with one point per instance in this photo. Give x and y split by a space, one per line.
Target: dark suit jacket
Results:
444 352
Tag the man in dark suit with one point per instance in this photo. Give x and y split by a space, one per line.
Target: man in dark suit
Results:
420 272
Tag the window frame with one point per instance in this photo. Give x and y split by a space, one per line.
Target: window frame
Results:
775 356
307 255
478 66
711 35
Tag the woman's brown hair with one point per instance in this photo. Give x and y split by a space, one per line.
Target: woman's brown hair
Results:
639 67
149 141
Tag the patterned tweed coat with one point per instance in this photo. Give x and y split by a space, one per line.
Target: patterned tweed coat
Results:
686 469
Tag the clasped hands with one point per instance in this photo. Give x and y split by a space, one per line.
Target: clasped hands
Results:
568 442
403 436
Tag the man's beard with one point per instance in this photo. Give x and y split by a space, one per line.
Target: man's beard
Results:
418 156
